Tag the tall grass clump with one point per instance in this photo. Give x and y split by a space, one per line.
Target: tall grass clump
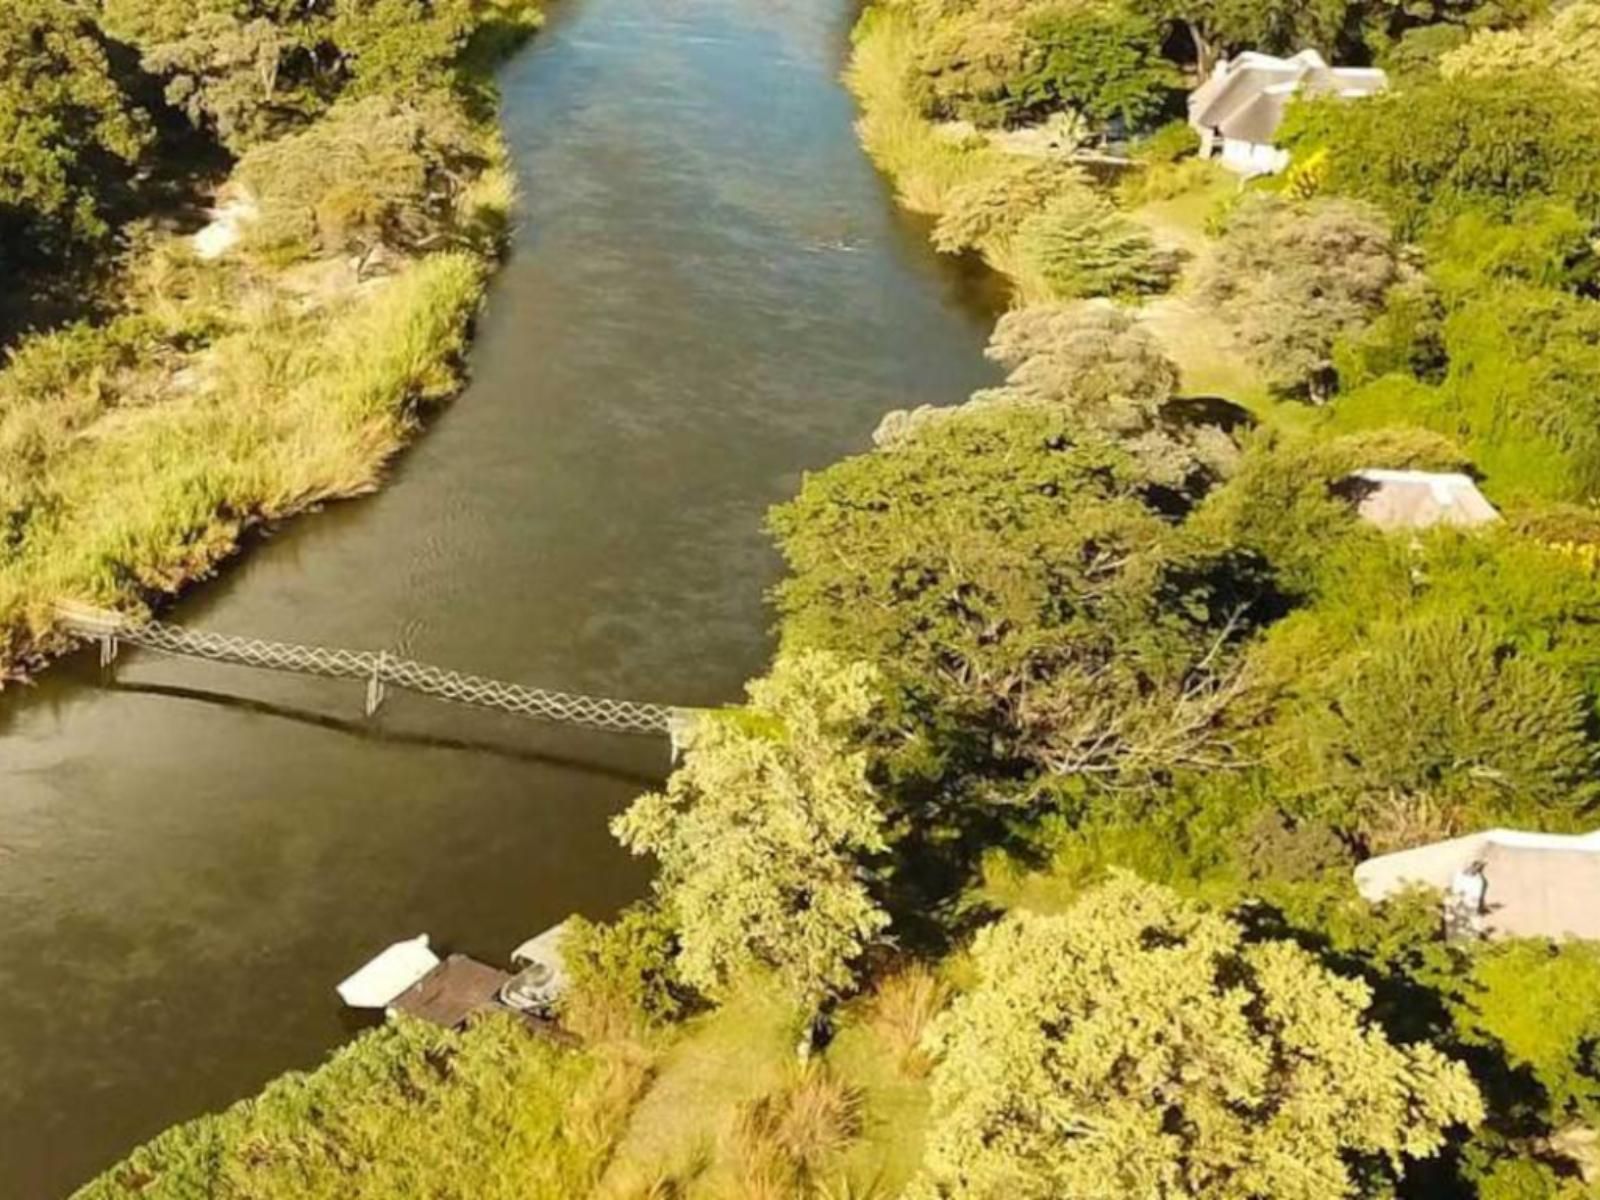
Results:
903 1005
781 1143
404 1111
924 165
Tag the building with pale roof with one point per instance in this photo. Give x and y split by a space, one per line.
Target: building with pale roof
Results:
1399 500
1515 884
1238 110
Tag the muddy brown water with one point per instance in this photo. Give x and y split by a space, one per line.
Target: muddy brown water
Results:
710 292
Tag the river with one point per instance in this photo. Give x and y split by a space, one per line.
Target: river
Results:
709 293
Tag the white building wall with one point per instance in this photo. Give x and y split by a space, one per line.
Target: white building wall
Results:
1253 158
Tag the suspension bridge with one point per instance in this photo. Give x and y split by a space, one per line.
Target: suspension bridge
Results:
379 669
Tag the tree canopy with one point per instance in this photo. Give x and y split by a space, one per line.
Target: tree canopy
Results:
1139 1045
762 835
70 133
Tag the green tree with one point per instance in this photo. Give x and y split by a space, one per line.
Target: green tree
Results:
1103 62
763 834
248 71
1140 1045
1218 28
1539 1003
1568 44
1435 724
69 133
1010 574
1080 245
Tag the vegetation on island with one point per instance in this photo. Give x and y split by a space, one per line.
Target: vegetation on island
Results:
158 397
1037 841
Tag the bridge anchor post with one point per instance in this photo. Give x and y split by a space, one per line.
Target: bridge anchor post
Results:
108 653
375 684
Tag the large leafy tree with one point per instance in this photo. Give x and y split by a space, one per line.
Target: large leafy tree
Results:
1139 1045
1009 572
246 70
764 833
69 133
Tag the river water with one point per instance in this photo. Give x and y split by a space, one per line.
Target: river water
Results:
710 292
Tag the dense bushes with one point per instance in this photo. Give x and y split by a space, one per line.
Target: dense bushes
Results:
70 131
1445 147
375 172
409 1110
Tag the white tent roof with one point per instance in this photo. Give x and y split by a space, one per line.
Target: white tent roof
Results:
378 983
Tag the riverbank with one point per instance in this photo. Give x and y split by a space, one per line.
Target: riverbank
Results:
263 366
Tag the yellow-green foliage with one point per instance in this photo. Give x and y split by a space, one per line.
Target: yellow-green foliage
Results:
762 833
285 410
1540 1004
405 1111
1568 44
1140 1045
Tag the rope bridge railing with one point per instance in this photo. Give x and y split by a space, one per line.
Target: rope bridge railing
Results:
380 670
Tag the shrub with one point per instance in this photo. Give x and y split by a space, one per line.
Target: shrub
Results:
782 1141
1080 245
1168 144
405 1110
904 1004
1295 279
994 206
1139 1045
623 975
372 172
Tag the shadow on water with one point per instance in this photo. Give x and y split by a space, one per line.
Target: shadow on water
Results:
372 730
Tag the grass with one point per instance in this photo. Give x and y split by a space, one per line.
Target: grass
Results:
125 498
406 1110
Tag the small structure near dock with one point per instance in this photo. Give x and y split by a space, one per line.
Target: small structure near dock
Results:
409 978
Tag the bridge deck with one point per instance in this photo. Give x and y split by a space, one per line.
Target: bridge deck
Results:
379 669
